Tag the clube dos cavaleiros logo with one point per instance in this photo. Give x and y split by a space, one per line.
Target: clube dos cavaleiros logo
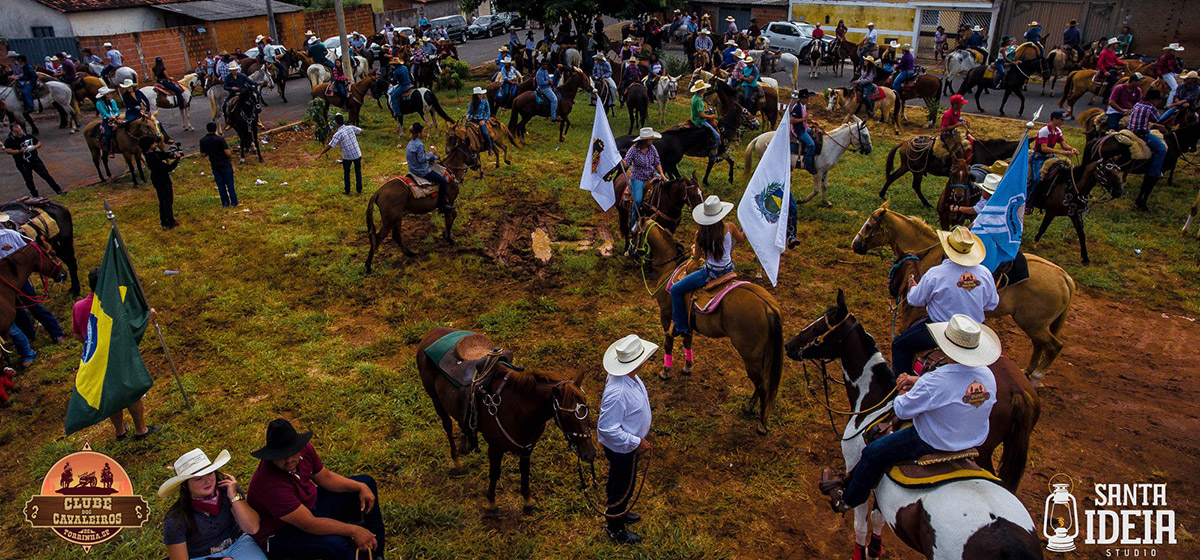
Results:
1127 520
86 499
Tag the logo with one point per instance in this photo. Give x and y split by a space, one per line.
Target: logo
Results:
1131 516
976 395
597 149
770 201
86 499
968 281
1014 216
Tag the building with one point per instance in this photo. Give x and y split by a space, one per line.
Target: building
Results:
1155 23
765 11
906 21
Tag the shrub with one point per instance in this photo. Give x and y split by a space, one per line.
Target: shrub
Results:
677 66
318 116
455 74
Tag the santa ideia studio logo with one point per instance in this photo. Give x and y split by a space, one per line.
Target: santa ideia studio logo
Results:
86 499
1128 520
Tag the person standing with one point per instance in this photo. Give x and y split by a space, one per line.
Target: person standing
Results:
1142 119
220 160
161 164
24 150
346 139
418 165
10 241
621 429
1124 41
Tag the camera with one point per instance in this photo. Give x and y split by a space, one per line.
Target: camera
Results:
175 149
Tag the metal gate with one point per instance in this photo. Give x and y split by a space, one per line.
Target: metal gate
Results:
37 49
1053 17
951 21
740 16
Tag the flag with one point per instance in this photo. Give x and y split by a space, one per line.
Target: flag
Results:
602 157
1001 222
763 211
111 373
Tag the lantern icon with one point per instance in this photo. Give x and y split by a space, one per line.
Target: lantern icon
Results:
1060 522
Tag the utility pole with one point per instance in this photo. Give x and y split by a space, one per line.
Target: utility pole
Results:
347 69
271 23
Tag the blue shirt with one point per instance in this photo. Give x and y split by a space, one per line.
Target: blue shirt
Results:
727 56
1072 36
624 414
114 57
530 45
950 405
602 70
239 81
401 77
482 111
975 40
107 108
543 79
28 74
508 73
1034 35
418 158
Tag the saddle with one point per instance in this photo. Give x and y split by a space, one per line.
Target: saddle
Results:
1011 273
30 220
541 98
1137 147
879 94
420 186
906 86
463 355
708 299
936 469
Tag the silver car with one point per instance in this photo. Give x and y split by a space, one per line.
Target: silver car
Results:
791 37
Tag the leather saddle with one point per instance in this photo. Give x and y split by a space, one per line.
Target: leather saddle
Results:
26 217
939 468
420 186
708 298
463 355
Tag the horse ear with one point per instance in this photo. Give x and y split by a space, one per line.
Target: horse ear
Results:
578 381
885 204
841 300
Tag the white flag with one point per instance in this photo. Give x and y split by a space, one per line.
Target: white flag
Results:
763 211
602 157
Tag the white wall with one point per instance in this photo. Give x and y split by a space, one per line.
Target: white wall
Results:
111 22
20 15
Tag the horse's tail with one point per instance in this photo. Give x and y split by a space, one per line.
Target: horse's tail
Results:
891 160
509 136
1026 410
432 101
749 157
371 233
512 120
775 350
1067 87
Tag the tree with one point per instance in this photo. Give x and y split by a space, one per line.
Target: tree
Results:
583 11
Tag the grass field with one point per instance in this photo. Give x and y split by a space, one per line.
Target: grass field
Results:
272 315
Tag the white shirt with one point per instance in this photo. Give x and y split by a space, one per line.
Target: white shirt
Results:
10 241
950 405
950 288
624 414
346 138
872 36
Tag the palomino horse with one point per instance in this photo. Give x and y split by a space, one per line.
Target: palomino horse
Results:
125 141
974 519
748 316
356 96
57 94
1082 82
1068 193
917 155
184 103
471 138
1039 305
846 100
664 202
524 401
23 262
852 136
526 106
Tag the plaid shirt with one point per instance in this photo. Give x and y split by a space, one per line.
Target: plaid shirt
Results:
1141 116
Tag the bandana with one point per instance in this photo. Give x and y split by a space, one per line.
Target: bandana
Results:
210 505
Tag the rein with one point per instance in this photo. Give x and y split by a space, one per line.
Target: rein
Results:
824 362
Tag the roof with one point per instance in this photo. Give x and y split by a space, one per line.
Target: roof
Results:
68 6
752 2
217 10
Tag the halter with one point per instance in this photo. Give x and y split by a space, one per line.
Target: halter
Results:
856 140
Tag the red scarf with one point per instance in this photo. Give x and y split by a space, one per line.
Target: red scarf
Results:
210 505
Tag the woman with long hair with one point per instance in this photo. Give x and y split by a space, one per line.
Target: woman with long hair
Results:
166 80
210 517
714 247
644 165
479 112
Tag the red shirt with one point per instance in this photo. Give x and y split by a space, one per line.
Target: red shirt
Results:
80 314
818 33
275 493
1108 59
951 117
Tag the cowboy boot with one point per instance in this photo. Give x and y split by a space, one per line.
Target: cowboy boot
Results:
832 486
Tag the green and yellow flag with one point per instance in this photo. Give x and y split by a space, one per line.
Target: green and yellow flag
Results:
111 374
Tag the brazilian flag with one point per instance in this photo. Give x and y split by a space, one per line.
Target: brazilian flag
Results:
111 374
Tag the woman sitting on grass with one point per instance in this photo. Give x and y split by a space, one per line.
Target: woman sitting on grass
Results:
210 517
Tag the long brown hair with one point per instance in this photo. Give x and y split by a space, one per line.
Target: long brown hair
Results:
182 510
711 240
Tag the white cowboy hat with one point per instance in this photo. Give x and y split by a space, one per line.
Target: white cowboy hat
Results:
233 66
13 54
478 91
626 355
259 38
309 33
1173 47
503 48
870 24
1112 41
893 44
627 40
704 32
977 28
647 133
1190 75
730 43
108 44
990 182
190 465
699 86
749 59
906 47
104 90
54 58
962 246
128 83
598 56
739 54
729 18
963 340
506 60
711 211
870 59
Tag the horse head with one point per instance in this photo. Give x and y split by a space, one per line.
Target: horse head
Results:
860 137
41 259
1108 176
672 86
822 339
571 413
873 233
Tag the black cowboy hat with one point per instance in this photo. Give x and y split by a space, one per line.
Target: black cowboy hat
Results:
282 441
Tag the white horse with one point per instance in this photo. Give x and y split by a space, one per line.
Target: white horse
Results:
318 74
572 58
119 75
852 135
157 99
790 64
958 63
57 94
666 90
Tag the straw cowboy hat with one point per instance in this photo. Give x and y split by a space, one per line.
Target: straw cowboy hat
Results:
283 440
192 464
729 18
104 90
962 246
647 133
395 60
126 84
259 38
478 91
749 59
626 355
870 59
1112 41
739 54
503 48
705 32
598 56
963 340
1192 75
107 44
54 58
870 24
233 67
699 86
1033 23
711 211
990 182
1173 47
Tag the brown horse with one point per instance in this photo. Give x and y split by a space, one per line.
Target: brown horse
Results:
125 141
917 155
637 102
768 106
749 317
1039 305
356 96
33 257
493 90
664 202
959 191
1068 193
469 137
87 87
925 86
1081 82
992 524
512 409
525 106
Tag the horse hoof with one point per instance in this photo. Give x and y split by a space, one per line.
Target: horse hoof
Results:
529 510
762 430
458 471
664 375
687 371
491 512
827 204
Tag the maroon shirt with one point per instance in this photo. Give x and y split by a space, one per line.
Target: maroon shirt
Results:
275 493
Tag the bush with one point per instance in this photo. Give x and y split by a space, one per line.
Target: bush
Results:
933 109
455 74
677 66
318 115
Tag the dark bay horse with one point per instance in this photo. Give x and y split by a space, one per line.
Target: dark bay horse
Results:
749 317
356 96
493 91
243 117
992 524
925 86
663 202
15 270
959 191
513 407
1180 141
768 105
63 242
525 106
1067 192
916 156
687 140
637 101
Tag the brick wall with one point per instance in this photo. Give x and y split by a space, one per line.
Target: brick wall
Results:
768 14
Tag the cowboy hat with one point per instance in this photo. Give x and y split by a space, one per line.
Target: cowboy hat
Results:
192 464
730 43
395 60
4 217
1034 23
104 90
478 91
647 133
598 56
1137 77
1192 75
108 44
977 28
128 83
963 340
962 246
626 355
1173 47
906 46
729 18
233 67
803 93
54 58
704 32
282 440
259 38
739 54
503 48
870 24
506 60
627 40
12 54
869 58
990 182
749 59
1112 41
893 43
711 211
699 86
309 33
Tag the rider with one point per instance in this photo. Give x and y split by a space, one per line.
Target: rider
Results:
114 60
800 122
630 73
1187 96
865 84
500 54
868 41
478 112
402 80
1108 65
704 43
951 121
713 246
28 80
656 71
67 71
544 82
1142 119
309 39
839 32
109 111
418 164
166 81
602 71
1008 50
1122 99
949 407
1050 142
1073 38
318 52
728 56
270 53
1124 40
1169 67
701 117
818 33
89 58
509 77
340 84
749 81
644 166
1034 35
976 42
731 30
235 84
906 68
222 65
136 103
888 59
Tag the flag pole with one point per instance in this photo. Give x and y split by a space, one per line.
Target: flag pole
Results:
112 218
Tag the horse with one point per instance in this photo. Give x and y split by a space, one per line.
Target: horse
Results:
243 117
24 212
920 160
677 142
958 63
526 106
924 86
125 140
748 315
1039 305
768 106
522 400
418 101
666 90
1014 81
815 53
425 74
56 93
160 98
20 264
318 73
846 100
974 519
842 50
1081 82
86 87
663 203
1068 193
356 96
493 92
1180 141
116 77
469 137
637 102
852 135
959 191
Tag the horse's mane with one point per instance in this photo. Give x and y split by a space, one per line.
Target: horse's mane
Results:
527 381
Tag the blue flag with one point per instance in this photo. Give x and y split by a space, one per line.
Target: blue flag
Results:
1001 222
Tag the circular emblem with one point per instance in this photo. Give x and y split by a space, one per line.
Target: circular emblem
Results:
770 201
89 340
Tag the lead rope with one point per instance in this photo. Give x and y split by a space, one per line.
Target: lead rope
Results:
629 493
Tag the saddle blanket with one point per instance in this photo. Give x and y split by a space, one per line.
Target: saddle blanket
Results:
1137 147
707 299
31 221
444 345
420 186
939 468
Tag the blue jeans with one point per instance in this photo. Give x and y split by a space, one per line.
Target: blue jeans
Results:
27 94
900 78
712 133
22 344
295 544
904 445
1158 151
1114 121
441 183
637 190
866 49
681 289
397 97
867 92
548 93
483 130
998 67
242 549
224 178
1035 170
39 312
1168 114
339 88
810 149
108 70
907 344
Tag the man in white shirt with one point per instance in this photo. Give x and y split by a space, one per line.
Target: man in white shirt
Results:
949 407
622 427
869 40
346 138
959 285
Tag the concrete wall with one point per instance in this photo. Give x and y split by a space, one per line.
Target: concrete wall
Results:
21 15
108 22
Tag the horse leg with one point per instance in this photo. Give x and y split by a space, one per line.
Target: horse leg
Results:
448 427
1046 219
824 182
448 217
530 506
687 353
916 185
495 458
257 144
400 239
1077 221
1004 100
664 317
728 159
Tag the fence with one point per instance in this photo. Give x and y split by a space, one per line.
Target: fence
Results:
950 20
39 48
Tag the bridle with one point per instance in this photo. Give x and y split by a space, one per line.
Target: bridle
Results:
42 258
856 138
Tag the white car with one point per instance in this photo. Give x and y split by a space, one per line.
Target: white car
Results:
791 37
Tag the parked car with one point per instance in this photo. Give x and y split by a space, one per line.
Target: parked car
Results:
486 26
791 37
456 27
513 20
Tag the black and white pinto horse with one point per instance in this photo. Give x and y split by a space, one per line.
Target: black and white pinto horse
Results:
419 101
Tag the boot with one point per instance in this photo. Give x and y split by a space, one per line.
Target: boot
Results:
832 486
1144 196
